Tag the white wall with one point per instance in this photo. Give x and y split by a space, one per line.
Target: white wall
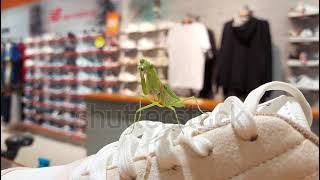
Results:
69 7
17 20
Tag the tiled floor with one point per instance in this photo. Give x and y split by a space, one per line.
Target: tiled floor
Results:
58 152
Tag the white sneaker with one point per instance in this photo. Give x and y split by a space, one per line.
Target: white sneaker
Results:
132 28
147 27
237 140
83 62
305 8
83 76
306 83
146 44
48 37
306 33
127 44
127 77
47 50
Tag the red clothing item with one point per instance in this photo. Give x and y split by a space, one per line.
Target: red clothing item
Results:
22 49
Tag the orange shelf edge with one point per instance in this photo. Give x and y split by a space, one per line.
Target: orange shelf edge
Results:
6 4
72 138
203 103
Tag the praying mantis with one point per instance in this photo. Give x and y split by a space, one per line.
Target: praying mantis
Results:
163 95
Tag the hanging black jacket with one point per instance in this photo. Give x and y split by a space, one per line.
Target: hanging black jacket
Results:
245 57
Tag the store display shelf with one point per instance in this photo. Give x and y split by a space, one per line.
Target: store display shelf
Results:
55 106
73 81
57 120
63 94
156 30
64 40
304 40
298 63
143 49
157 65
74 54
74 67
302 14
76 138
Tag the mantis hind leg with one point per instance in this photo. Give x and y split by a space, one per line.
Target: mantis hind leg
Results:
195 99
175 114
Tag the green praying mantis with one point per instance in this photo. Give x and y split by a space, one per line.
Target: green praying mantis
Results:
163 95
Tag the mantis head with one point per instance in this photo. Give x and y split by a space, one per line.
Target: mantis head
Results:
144 66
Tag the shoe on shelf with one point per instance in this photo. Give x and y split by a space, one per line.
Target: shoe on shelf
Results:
305 82
316 32
306 33
110 63
29 63
83 76
81 61
132 28
125 60
111 78
84 47
128 92
28 40
237 140
127 77
146 44
47 49
127 44
48 37
304 8
147 27
82 90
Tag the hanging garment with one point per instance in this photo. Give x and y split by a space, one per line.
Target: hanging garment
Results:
5 108
16 63
186 65
22 49
210 62
201 31
245 58
15 108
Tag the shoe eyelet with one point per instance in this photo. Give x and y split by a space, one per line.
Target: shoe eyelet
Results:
254 138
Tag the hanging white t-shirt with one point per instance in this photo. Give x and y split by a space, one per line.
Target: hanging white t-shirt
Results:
202 33
187 61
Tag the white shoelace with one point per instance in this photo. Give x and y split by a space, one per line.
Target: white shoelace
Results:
156 138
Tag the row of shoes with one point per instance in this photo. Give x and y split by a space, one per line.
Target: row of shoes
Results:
304 8
142 44
51 36
306 33
305 82
160 61
145 27
304 56
82 47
